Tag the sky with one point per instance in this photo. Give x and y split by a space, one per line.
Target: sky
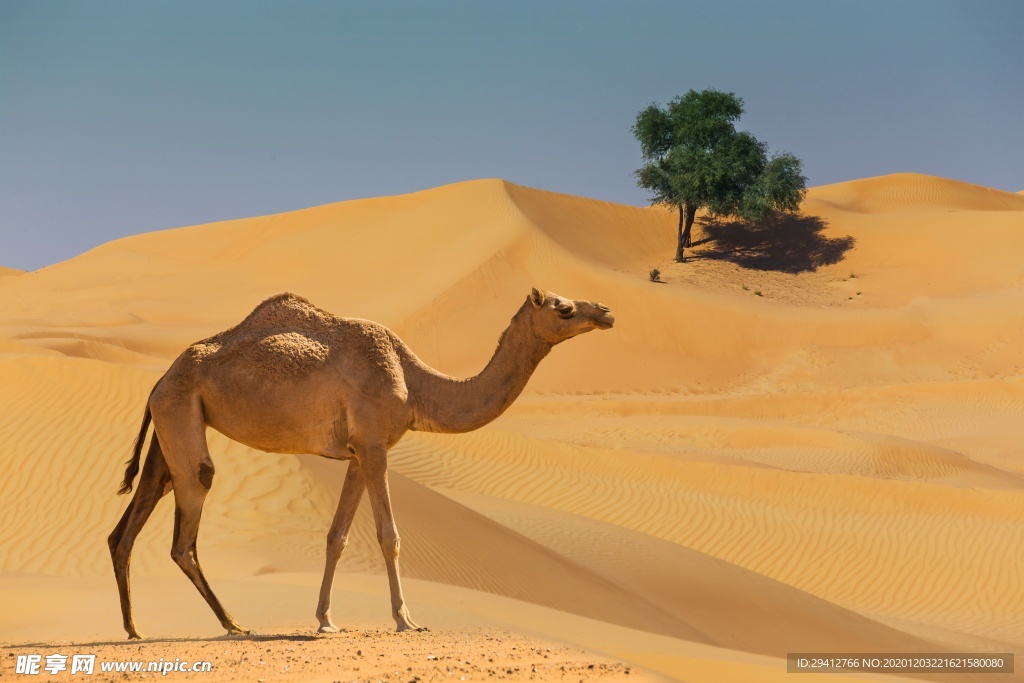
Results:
118 118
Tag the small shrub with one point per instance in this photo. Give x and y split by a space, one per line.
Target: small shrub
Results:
655 275
853 276
746 289
757 292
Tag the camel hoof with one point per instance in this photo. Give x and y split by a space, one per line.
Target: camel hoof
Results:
329 628
135 636
239 632
411 627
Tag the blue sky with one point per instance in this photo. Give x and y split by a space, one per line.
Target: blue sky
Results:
125 117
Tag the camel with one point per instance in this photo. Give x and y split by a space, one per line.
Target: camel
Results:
292 378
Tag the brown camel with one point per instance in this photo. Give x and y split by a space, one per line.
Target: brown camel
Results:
292 378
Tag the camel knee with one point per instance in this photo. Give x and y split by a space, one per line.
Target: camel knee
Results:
120 553
335 547
121 558
182 557
206 474
390 544
113 540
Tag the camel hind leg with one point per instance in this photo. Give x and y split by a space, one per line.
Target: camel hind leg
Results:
183 438
153 484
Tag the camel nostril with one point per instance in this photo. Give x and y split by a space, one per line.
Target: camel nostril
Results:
604 308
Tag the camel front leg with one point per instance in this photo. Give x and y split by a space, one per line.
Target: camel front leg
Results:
337 539
374 465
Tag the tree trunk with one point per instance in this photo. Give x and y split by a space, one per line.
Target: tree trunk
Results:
686 215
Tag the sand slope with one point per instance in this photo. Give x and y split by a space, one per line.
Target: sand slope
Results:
832 464
917 193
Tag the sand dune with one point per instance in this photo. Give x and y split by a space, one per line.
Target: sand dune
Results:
834 464
915 192
7 272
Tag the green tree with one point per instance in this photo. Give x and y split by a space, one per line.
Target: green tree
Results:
697 159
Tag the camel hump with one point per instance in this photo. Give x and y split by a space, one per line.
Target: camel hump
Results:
286 314
288 311
284 297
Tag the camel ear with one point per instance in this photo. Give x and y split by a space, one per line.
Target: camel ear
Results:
537 297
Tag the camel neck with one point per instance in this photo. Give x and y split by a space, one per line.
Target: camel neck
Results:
449 405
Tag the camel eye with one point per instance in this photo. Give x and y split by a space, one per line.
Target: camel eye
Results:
566 311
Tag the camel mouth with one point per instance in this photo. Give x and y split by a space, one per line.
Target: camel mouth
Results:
604 323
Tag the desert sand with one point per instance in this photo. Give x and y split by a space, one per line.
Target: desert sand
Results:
807 438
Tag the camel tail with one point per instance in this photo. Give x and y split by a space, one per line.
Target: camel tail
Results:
133 462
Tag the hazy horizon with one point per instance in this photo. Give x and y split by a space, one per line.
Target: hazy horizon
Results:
118 118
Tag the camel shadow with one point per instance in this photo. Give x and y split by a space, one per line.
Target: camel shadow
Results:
254 638
791 243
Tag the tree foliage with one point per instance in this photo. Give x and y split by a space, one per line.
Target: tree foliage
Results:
697 159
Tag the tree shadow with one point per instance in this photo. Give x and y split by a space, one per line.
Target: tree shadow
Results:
791 243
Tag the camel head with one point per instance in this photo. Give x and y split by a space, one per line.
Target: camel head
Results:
555 318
